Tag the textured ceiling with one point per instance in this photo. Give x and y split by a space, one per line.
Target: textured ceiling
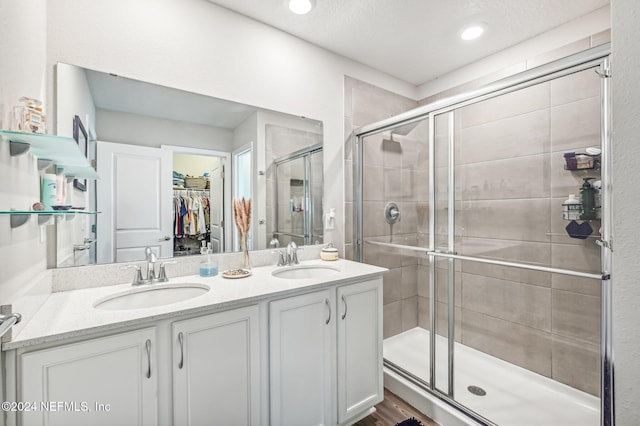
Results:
415 40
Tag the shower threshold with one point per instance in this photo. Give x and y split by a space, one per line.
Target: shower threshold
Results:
513 396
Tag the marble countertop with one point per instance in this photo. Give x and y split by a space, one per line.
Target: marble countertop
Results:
72 313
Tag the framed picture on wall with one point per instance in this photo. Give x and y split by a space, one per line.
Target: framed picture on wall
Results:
80 135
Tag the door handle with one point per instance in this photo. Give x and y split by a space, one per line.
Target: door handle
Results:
181 340
165 238
326 302
344 300
148 345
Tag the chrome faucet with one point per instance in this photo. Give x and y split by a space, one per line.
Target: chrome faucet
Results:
152 259
292 253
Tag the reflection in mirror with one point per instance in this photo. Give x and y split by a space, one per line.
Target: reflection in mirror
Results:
170 163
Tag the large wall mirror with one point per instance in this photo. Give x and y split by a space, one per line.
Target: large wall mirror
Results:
170 162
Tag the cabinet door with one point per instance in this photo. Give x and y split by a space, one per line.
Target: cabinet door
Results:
301 336
216 369
360 383
105 381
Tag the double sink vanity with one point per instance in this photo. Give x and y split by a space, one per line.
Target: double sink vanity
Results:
290 345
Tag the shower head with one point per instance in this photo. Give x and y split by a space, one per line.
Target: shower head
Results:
402 130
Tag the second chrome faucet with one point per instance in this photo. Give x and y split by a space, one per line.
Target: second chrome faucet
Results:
288 256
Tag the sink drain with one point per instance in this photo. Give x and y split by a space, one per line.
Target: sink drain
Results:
476 390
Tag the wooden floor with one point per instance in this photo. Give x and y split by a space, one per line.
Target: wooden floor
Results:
393 410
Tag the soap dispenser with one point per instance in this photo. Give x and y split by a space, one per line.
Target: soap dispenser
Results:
208 267
588 195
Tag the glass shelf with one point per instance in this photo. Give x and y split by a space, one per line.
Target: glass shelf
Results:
61 150
20 217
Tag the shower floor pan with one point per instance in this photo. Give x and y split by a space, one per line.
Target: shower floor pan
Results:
514 396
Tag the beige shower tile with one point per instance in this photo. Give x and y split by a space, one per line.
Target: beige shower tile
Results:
542 279
559 53
576 364
576 315
373 223
423 280
521 177
348 181
371 104
392 323
576 124
373 183
409 313
514 343
372 154
523 304
392 184
514 251
423 312
515 103
442 286
382 256
348 138
588 286
583 257
409 218
348 223
348 252
518 136
601 38
415 154
423 218
521 220
574 87
409 281
415 185
392 285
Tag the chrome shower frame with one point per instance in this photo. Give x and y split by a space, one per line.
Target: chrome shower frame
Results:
598 58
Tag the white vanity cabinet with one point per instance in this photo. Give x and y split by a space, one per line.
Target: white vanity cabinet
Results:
360 379
216 369
307 335
301 344
105 381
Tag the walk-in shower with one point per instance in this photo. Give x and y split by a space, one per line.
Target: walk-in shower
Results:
493 305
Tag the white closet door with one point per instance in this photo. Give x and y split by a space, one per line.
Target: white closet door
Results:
135 198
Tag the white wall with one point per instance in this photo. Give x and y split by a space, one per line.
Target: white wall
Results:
197 46
134 129
23 26
515 57
626 205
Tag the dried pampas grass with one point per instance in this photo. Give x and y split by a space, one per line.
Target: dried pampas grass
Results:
242 217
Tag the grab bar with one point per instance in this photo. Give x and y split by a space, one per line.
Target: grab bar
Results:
8 321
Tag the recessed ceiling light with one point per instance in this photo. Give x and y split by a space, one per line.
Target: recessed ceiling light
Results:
300 7
472 32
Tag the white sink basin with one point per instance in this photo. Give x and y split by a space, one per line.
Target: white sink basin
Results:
305 271
151 295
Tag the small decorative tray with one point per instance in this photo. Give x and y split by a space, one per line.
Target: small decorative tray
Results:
236 273
61 207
